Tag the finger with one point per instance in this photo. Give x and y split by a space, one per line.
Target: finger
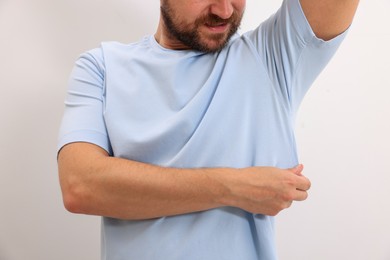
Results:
303 183
288 204
300 195
297 169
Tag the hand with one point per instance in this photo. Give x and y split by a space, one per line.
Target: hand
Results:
267 190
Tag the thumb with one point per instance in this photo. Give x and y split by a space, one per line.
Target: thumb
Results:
297 169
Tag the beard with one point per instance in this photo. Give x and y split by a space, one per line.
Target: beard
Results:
190 34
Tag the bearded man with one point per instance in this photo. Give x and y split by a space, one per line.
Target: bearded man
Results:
184 142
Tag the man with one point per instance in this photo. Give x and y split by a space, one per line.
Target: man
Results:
184 141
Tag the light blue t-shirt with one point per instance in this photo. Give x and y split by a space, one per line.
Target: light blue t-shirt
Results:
235 108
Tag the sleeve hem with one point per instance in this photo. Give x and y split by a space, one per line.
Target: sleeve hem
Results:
302 24
86 136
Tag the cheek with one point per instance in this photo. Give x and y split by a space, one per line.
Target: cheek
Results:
239 5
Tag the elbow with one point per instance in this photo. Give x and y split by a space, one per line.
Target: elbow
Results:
76 177
74 197
72 203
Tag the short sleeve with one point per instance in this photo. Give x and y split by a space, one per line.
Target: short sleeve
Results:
290 51
83 119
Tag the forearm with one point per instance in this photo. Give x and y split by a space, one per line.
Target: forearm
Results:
100 185
94 183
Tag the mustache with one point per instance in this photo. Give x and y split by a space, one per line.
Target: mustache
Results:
215 20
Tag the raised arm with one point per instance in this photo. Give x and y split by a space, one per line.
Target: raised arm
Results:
329 18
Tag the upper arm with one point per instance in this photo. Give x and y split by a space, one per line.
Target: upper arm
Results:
329 18
291 52
83 118
78 156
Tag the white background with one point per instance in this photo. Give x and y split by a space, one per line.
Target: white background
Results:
342 130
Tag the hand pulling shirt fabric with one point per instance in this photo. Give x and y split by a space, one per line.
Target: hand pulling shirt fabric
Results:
187 109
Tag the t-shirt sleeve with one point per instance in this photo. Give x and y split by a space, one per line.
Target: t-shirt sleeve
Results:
290 51
83 119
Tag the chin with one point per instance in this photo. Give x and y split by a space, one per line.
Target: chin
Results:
215 47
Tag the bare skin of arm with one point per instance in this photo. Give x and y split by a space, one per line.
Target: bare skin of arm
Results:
329 18
96 184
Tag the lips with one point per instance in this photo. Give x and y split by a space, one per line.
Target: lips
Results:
218 27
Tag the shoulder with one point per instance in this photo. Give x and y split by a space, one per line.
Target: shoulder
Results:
113 48
110 52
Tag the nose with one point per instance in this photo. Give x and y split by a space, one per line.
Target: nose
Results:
222 8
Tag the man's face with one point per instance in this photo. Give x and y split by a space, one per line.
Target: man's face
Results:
202 25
